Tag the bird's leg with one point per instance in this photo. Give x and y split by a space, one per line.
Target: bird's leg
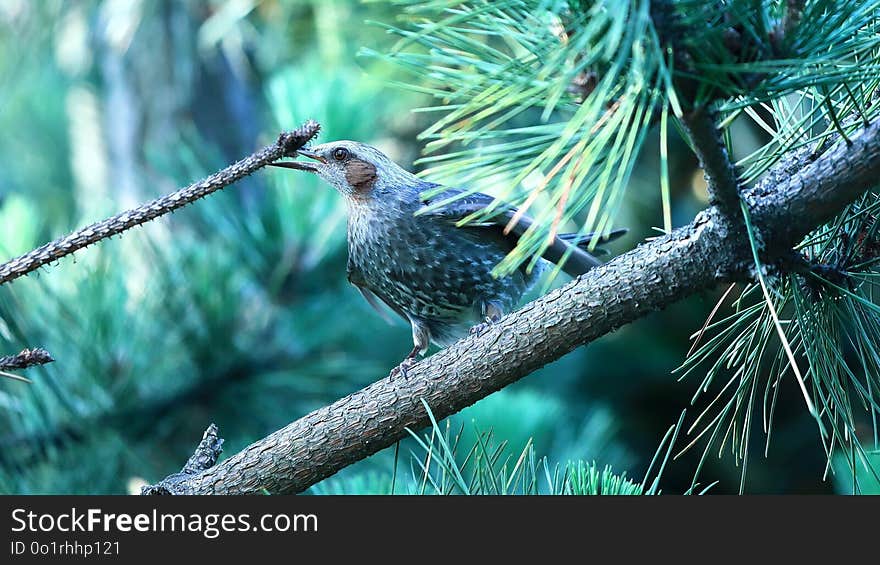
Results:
492 312
421 339
406 364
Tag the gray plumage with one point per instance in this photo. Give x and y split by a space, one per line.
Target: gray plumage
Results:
415 260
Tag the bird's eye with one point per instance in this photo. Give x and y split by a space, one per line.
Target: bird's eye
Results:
340 154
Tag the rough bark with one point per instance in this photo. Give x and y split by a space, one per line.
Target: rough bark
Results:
795 198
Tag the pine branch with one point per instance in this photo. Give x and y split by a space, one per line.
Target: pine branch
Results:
723 186
286 145
783 207
27 358
700 120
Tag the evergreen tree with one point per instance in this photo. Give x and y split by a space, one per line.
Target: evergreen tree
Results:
237 311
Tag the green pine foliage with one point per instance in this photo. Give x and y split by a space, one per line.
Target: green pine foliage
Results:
549 102
828 318
236 310
442 462
535 94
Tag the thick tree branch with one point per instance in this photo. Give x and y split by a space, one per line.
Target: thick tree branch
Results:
286 145
791 201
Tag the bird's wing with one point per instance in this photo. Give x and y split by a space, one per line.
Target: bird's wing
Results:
374 301
372 298
463 206
578 261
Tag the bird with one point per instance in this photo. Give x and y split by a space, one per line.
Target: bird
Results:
408 253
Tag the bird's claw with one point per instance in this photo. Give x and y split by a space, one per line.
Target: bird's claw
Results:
481 327
401 370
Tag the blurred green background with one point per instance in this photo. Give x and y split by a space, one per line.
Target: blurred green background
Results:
236 310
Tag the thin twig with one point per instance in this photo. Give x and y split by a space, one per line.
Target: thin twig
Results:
27 358
286 145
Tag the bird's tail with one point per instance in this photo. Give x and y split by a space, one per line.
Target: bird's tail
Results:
578 260
583 240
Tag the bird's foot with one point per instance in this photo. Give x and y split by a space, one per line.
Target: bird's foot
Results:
492 312
482 326
403 368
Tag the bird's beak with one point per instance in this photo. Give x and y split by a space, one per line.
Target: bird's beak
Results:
299 165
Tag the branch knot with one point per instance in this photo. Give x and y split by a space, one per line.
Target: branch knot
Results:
204 457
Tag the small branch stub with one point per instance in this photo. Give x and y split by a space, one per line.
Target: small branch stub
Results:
204 457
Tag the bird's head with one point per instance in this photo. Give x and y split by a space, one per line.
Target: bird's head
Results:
355 169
